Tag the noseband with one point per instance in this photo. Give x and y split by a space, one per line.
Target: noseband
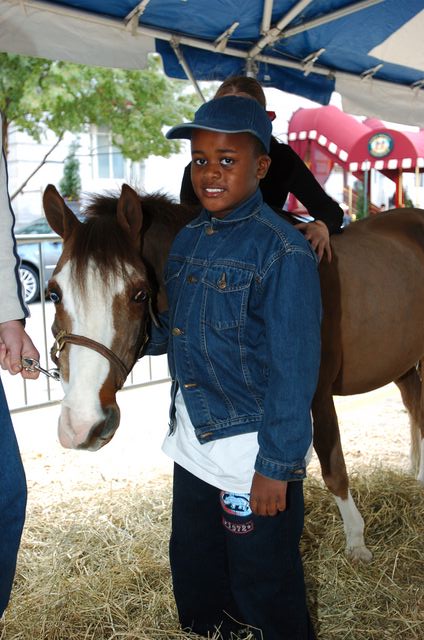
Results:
62 338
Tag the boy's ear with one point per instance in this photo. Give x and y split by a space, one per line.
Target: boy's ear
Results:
263 165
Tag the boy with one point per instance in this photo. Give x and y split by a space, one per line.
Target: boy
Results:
243 347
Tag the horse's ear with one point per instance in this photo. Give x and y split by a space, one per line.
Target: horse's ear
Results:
130 213
60 217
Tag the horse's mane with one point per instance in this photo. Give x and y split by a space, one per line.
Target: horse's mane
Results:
154 205
101 239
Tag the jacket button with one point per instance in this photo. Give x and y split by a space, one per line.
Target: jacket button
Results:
177 332
191 279
209 231
222 282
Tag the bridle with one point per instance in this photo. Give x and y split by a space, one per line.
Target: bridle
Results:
62 338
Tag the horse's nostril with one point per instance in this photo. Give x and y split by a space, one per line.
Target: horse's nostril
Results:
104 430
112 420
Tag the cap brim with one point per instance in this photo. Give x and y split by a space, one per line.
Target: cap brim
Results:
181 131
184 131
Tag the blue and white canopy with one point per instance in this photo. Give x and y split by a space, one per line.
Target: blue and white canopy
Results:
370 51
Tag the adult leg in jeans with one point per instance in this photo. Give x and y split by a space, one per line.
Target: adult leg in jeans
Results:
198 558
266 570
12 501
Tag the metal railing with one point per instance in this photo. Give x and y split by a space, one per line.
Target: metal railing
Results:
33 394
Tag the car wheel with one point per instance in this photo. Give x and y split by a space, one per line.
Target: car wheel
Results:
30 283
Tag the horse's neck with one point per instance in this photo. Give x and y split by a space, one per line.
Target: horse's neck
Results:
184 216
157 244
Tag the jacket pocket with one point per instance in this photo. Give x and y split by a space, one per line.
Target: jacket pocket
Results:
226 290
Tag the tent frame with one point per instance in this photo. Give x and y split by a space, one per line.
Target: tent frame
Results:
270 34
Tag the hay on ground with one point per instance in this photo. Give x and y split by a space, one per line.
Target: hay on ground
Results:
95 567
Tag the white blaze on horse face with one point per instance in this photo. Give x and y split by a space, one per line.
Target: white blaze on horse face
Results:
91 315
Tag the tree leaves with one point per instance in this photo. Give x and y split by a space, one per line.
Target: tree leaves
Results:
135 106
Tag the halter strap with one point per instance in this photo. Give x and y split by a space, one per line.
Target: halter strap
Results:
62 338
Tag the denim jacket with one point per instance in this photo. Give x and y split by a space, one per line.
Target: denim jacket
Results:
243 332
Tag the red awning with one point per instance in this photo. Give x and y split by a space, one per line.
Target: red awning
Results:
356 146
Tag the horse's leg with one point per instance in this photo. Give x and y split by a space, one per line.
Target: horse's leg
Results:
411 388
329 450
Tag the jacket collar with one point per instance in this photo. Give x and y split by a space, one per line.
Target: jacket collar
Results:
247 209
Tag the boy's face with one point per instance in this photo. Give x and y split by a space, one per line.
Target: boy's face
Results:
225 169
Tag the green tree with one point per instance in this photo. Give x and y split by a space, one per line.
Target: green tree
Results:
70 185
407 200
36 94
358 188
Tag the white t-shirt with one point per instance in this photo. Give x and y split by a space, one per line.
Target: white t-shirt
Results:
227 463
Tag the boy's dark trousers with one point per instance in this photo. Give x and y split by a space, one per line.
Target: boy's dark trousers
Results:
232 569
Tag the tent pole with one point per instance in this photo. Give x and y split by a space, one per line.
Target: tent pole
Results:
330 17
274 33
399 194
175 45
366 183
266 16
251 68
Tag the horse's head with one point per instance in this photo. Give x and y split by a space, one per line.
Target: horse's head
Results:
102 298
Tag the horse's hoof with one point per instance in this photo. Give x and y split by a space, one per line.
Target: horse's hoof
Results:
359 554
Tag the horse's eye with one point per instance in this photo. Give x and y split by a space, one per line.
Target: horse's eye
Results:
140 296
54 297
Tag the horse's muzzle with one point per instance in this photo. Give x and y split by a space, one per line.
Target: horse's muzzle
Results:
74 435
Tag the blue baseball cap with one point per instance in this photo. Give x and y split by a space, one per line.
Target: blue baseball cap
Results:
228 114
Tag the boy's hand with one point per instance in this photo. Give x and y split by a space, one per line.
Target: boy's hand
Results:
15 343
317 234
267 496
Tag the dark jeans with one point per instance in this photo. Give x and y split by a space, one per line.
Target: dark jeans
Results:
232 569
12 501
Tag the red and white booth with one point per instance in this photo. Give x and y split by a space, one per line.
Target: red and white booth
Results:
325 136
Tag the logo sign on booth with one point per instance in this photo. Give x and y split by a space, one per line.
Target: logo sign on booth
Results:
380 145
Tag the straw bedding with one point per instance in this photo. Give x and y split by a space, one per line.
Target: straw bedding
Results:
94 566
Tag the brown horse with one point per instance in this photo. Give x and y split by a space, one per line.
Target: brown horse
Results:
109 279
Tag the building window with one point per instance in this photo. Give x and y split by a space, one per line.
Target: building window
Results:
110 161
